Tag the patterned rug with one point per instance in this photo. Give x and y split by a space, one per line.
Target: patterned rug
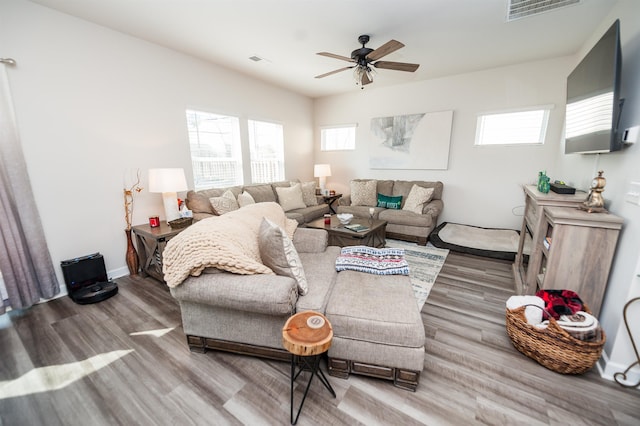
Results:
424 265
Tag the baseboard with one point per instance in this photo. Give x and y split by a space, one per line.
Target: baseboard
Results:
608 369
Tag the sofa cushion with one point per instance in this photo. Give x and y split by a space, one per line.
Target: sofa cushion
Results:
363 193
262 193
198 201
404 217
290 198
321 276
389 202
403 187
245 199
375 308
308 193
384 187
224 204
312 212
278 253
417 198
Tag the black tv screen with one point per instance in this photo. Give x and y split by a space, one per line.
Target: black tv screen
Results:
593 98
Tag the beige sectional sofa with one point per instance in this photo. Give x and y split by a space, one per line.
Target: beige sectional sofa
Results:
378 330
313 206
409 223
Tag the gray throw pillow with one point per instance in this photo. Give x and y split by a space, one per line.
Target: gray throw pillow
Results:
278 253
364 193
224 204
290 198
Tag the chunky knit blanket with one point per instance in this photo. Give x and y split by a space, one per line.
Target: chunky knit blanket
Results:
228 242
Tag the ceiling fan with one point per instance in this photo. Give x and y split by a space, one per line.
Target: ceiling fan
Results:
364 58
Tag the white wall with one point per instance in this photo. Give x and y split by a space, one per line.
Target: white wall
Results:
482 185
92 104
619 168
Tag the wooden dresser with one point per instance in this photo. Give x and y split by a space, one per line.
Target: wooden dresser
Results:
570 248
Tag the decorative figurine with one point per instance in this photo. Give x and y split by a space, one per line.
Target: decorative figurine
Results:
595 202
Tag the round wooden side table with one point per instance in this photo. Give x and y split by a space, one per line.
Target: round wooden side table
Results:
307 335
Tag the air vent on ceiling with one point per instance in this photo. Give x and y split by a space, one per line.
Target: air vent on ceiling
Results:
255 58
523 8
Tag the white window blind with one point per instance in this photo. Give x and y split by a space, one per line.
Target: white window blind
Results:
591 115
266 144
336 138
216 153
509 128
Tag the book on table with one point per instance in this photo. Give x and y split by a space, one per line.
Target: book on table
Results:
356 227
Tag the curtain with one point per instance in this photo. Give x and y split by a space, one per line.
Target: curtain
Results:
25 261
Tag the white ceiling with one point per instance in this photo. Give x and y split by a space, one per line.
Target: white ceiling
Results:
444 36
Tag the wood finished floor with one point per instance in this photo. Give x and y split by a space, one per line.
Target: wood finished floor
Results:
472 374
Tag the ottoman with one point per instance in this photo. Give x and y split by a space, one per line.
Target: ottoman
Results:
377 328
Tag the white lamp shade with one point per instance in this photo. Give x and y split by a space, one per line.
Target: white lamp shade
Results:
167 180
321 170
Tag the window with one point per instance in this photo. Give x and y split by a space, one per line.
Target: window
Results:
216 154
513 128
336 138
266 145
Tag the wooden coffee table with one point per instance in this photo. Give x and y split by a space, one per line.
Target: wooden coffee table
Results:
343 237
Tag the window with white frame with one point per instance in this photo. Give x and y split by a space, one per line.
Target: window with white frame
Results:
336 138
216 152
513 127
266 145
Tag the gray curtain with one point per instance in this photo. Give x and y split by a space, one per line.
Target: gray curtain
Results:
25 261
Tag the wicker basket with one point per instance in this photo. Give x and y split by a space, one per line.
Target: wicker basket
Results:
552 347
180 223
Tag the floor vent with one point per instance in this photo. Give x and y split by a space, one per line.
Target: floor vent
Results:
523 8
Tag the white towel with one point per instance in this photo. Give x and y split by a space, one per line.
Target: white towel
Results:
531 313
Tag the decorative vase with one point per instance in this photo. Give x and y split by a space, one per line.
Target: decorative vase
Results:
132 255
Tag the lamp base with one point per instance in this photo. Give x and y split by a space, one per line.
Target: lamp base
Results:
323 184
170 200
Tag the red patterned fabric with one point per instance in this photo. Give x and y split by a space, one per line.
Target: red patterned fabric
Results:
560 302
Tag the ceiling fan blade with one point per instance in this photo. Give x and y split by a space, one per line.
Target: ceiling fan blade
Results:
397 66
333 72
385 49
333 55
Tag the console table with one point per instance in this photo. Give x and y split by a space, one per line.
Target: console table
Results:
150 243
571 249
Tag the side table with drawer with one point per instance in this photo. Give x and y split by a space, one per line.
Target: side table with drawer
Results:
150 243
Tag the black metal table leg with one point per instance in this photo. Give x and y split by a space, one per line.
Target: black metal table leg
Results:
312 363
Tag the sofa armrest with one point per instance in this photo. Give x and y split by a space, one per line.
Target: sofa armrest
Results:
345 200
200 216
261 293
433 208
310 240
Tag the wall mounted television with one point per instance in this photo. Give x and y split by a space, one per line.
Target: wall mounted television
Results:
593 98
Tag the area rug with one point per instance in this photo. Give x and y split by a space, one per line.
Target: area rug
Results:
425 264
486 242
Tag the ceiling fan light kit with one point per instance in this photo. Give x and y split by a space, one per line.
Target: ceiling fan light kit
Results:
364 58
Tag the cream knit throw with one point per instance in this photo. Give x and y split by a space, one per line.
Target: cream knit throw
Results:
228 242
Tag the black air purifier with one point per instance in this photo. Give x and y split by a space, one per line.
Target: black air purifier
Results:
86 279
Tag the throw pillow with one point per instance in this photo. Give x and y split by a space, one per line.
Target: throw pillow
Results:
388 202
278 253
244 199
290 198
417 198
308 193
224 204
363 193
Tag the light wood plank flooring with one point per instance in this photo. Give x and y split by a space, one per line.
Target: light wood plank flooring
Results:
472 374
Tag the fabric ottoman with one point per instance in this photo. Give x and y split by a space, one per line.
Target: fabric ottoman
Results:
377 328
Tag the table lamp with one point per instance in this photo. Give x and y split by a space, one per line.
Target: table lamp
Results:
321 171
168 182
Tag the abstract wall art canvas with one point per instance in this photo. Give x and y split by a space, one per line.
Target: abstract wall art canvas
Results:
413 141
